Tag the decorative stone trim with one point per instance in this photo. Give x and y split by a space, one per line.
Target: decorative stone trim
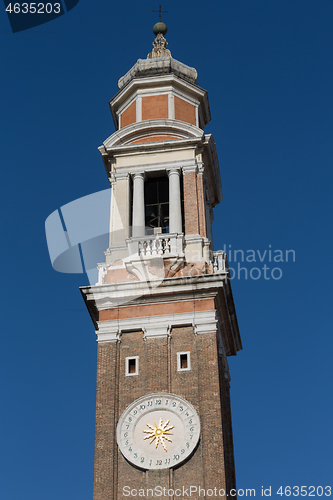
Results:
118 176
206 322
153 331
185 130
157 167
188 169
157 326
108 333
160 48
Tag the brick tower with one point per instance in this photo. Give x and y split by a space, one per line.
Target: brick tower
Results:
163 308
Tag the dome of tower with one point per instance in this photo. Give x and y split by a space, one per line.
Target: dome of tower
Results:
160 28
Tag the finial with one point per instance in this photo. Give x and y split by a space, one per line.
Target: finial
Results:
160 27
160 43
159 12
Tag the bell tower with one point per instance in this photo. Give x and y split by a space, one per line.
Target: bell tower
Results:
162 308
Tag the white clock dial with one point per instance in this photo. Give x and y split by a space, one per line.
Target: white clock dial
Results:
158 431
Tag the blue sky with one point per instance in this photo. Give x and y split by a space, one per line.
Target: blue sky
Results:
267 66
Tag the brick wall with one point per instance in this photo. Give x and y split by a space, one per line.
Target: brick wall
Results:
184 111
203 386
106 451
155 107
191 203
128 116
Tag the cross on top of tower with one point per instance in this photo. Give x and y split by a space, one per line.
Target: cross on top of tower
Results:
160 27
159 12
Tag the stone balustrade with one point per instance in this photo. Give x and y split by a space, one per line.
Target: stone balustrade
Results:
156 245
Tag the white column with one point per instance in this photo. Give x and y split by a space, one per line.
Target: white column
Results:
171 107
120 207
138 219
139 109
175 209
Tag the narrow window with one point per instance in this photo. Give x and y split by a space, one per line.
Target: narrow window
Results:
157 205
132 366
183 361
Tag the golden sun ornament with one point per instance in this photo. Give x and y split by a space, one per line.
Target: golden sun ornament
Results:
159 433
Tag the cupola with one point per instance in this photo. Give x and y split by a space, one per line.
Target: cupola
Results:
162 167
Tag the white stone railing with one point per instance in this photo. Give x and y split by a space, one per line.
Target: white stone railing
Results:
141 248
156 245
220 264
162 245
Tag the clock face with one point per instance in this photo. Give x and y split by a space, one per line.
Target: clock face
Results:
158 431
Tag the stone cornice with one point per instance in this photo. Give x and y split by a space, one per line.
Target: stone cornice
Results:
155 167
140 293
171 290
157 66
157 326
121 138
155 147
